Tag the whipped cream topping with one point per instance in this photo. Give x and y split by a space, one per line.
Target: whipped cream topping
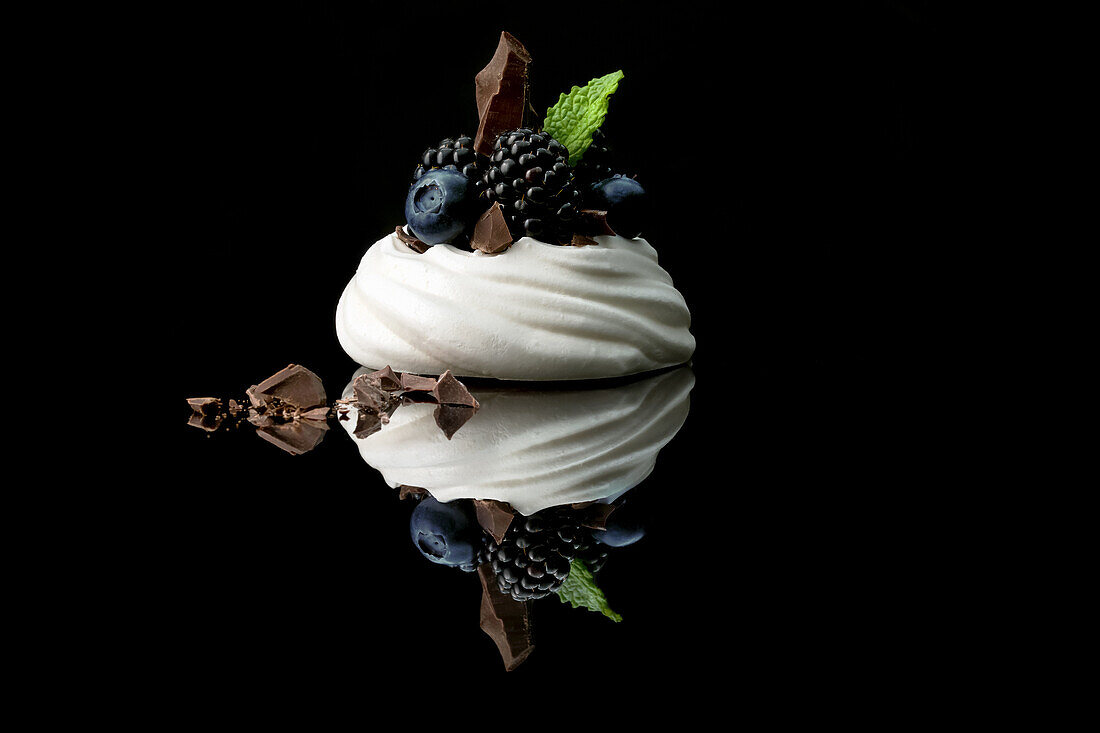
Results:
534 312
533 448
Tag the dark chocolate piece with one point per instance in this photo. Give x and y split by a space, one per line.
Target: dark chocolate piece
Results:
506 621
411 242
582 240
494 516
501 90
317 413
370 398
593 222
413 383
205 405
296 438
595 516
450 418
491 233
407 492
385 379
295 386
450 391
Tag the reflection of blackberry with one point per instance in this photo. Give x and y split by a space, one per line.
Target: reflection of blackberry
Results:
529 175
533 558
458 152
596 163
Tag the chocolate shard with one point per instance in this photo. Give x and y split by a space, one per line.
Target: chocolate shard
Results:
593 222
410 241
205 405
582 240
407 492
506 621
296 386
413 383
491 233
450 418
501 90
369 397
296 437
595 515
494 517
450 391
385 379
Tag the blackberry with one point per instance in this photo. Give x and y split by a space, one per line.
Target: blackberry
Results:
529 174
458 152
532 560
596 165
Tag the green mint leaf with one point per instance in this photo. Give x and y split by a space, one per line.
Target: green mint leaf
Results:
579 113
580 591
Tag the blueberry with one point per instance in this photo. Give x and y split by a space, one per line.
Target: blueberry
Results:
440 205
447 534
625 202
623 527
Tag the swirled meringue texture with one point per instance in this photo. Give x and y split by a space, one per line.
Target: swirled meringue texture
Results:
534 312
533 448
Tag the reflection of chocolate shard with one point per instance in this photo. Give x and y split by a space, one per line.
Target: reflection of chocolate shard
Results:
491 233
595 516
406 492
501 92
209 423
317 413
384 379
296 386
413 383
296 438
450 418
259 419
411 242
450 391
494 517
367 424
506 621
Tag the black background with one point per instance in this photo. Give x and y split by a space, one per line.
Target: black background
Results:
791 154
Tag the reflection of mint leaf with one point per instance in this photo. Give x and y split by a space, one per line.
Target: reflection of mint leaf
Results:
578 114
580 590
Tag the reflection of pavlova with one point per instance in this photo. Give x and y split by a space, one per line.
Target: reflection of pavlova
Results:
532 448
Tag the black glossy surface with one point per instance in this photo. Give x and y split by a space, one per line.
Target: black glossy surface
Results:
788 155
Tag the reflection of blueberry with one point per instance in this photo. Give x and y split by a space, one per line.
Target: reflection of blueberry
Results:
624 527
440 205
625 202
447 534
